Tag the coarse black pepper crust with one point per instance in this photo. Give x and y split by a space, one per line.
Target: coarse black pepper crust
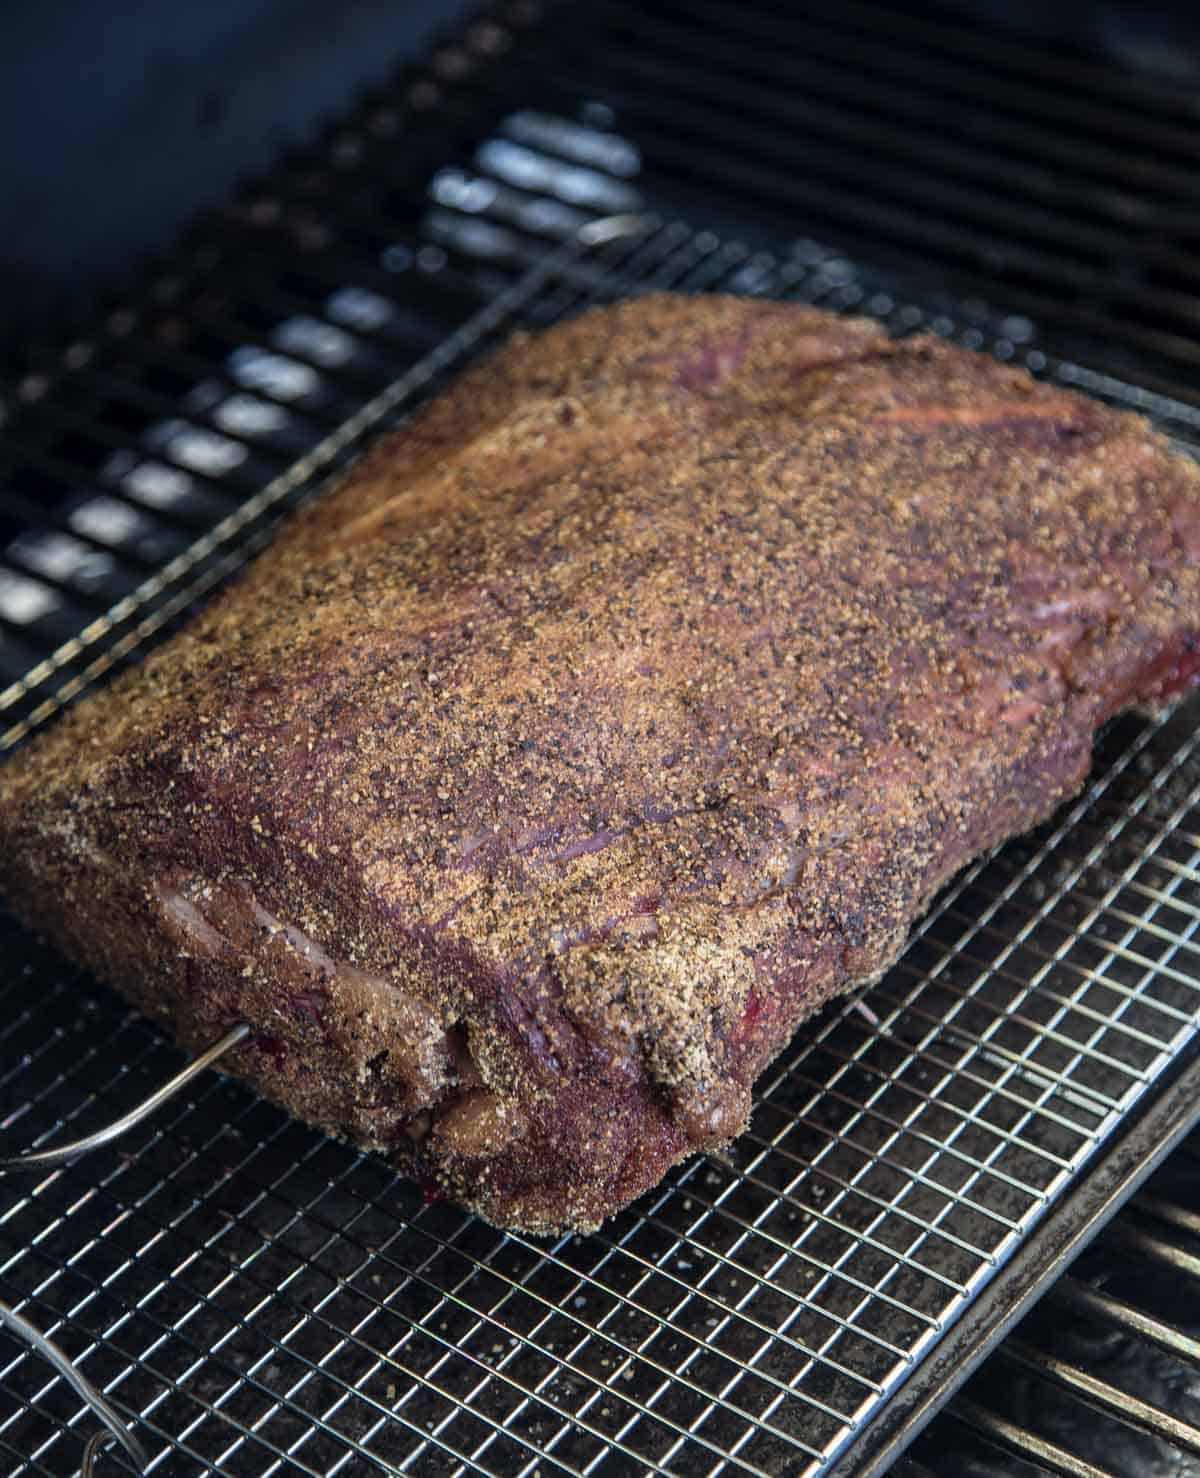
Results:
606 721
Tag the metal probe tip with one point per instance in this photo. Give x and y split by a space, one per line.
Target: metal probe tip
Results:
116 1430
61 1154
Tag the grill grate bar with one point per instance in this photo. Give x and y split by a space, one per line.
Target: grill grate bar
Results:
30 515
1105 1397
891 164
823 67
126 392
1023 1443
1180 1217
241 523
143 359
1083 1298
1103 1364
936 55
79 474
1155 1248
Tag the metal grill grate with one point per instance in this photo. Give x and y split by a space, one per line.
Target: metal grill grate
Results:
1099 1381
928 141
263 1300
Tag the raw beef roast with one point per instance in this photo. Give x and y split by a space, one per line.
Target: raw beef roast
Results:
619 711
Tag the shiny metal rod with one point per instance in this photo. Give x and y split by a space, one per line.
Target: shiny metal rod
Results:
20 1326
61 1154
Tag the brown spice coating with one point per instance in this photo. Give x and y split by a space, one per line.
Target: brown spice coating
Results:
621 709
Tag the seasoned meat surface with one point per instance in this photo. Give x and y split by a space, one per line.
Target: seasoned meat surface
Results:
606 721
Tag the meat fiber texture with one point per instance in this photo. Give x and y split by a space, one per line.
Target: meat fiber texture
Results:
624 707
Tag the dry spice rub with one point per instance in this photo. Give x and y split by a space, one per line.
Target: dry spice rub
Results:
606 721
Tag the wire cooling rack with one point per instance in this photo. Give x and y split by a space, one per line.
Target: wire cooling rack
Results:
260 1300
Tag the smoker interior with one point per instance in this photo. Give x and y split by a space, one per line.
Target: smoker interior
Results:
1102 1372
258 1299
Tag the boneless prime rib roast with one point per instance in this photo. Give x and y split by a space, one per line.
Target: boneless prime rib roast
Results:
606 721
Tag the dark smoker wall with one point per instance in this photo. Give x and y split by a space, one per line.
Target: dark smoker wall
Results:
119 120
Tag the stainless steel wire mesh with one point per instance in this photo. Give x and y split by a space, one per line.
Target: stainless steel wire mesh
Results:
1099 1379
263 1300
